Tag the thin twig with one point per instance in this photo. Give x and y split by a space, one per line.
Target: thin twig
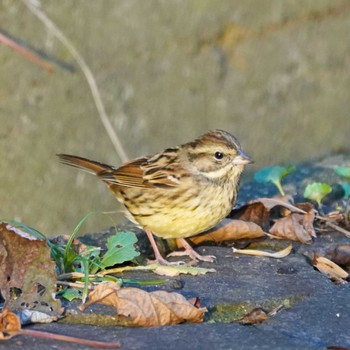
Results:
33 6
73 285
87 342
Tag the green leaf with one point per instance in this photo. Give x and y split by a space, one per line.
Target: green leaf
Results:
76 230
274 174
317 191
346 188
343 171
71 294
120 248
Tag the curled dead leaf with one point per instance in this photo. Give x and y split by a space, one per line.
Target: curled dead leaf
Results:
230 230
255 316
253 211
330 269
295 226
145 309
284 202
258 315
277 255
9 324
293 222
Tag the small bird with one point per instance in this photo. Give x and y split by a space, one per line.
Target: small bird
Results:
178 193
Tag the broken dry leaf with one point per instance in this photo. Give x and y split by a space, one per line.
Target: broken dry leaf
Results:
277 255
230 230
253 211
145 309
27 273
270 203
171 270
258 315
9 324
293 222
255 316
330 269
295 226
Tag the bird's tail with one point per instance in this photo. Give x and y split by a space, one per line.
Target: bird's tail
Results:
88 165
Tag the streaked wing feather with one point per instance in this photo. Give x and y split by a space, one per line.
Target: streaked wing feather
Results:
160 170
162 178
129 174
144 172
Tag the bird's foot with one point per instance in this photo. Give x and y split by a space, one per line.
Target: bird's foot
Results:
189 251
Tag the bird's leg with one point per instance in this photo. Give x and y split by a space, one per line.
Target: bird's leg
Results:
158 257
191 253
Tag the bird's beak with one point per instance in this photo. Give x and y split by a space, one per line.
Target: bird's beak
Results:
242 159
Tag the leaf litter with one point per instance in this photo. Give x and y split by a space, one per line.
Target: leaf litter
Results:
265 217
259 219
158 308
27 275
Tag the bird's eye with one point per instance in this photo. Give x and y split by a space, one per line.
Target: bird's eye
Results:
218 155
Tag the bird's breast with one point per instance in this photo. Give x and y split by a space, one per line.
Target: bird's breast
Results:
176 212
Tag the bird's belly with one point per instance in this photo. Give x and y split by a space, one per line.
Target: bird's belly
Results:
182 218
183 224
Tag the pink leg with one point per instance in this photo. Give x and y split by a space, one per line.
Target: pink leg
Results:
158 257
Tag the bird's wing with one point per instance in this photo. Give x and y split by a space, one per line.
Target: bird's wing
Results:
128 175
163 169
144 172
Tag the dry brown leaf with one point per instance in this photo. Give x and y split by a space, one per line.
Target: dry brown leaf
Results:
9 324
258 315
253 211
230 230
295 226
284 202
255 316
330 269
294 222
253 220
27 273
145 309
